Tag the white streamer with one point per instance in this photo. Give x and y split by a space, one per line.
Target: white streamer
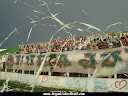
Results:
36 11
57 14
90 26
16 30
85 12
32 21
68 32
8 36
5 86
59 3
126 75
112 25
15 1
30 32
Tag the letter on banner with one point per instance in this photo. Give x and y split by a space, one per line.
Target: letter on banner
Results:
30 59
88 63
63 61
114 55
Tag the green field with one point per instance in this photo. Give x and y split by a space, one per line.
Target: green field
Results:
21 87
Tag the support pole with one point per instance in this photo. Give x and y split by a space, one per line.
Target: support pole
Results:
49 73
89 75
115 75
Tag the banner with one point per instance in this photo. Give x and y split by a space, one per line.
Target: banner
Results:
81 61
10 50
2 59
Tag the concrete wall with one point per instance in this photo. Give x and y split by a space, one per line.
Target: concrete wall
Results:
100 84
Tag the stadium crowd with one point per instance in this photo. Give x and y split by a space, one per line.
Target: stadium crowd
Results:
79 43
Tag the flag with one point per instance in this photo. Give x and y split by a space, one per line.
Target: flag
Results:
103 71
120 67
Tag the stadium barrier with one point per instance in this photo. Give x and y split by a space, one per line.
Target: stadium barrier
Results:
100 84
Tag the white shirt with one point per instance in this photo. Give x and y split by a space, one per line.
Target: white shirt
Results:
120 35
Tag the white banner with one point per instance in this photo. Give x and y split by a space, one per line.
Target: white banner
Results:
81 61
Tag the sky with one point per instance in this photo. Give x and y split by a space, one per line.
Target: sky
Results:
14 14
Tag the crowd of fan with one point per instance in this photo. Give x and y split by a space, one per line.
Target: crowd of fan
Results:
79 43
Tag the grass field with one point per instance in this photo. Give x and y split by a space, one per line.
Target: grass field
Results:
21 87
